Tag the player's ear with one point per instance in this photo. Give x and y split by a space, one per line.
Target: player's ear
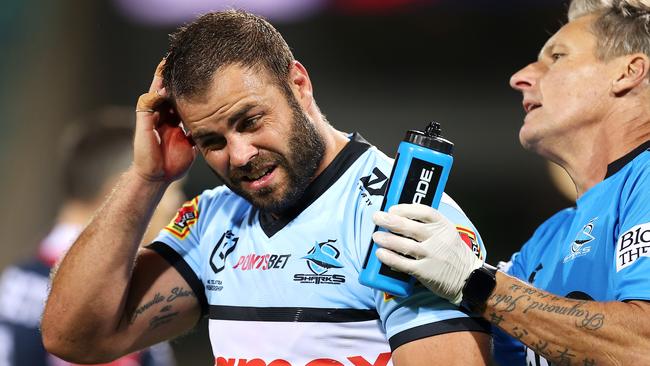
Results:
300 84
632 72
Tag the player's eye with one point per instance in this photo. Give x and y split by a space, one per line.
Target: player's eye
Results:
213 143
249 123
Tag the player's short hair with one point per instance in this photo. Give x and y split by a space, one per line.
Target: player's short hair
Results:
94 149
622 27
214 40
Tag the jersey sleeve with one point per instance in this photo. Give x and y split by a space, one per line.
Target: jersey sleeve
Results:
633 239
179 243
422 314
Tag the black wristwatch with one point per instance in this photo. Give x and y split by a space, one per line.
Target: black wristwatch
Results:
478 287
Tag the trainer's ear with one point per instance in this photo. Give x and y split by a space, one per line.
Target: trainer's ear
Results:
300 83
634 71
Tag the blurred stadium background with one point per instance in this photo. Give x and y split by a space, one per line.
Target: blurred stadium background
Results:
378 67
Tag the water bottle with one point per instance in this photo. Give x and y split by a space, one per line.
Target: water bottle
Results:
419 175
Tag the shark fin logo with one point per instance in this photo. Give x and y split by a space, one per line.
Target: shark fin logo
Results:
578 248
322 257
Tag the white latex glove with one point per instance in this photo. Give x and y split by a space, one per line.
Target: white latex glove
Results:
440 258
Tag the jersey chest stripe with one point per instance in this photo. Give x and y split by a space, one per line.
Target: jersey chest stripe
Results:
291 314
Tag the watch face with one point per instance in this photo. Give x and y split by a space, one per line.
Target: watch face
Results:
479 286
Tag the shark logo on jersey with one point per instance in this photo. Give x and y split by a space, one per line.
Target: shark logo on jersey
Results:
321 258
224 247
578 248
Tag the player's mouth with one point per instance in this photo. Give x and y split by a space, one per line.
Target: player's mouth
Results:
260 178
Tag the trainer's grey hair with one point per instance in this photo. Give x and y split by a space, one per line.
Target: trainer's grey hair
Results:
622 27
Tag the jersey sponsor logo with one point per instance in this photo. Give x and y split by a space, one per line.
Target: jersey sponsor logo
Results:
375 183
469 237
372 185
382 360
578 246
262 262
320 259
186 216
632 245
224 246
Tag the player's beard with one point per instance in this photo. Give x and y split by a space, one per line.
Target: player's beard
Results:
306 151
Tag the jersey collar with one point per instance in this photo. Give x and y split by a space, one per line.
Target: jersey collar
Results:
345 158
618 164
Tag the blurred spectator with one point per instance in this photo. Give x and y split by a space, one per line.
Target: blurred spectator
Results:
94 152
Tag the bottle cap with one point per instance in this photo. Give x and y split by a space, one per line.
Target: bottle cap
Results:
430 138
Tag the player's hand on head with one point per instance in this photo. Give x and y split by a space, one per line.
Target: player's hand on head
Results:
162 151
425 244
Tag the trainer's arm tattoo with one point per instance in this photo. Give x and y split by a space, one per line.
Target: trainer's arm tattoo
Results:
513 307
558 355
527 299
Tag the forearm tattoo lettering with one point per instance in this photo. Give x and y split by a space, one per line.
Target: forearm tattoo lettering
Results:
525 300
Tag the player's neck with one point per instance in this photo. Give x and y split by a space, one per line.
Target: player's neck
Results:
334 141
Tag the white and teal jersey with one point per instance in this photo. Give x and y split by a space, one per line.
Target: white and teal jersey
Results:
285 292
598 250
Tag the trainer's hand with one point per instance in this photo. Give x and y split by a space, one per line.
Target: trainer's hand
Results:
440 259
162 151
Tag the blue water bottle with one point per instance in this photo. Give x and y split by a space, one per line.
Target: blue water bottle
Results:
419 175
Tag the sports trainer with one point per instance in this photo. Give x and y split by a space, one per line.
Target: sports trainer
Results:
577 293
273 257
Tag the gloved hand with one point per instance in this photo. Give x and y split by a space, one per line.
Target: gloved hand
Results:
440 259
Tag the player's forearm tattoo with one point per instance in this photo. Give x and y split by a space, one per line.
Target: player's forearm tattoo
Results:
175 293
